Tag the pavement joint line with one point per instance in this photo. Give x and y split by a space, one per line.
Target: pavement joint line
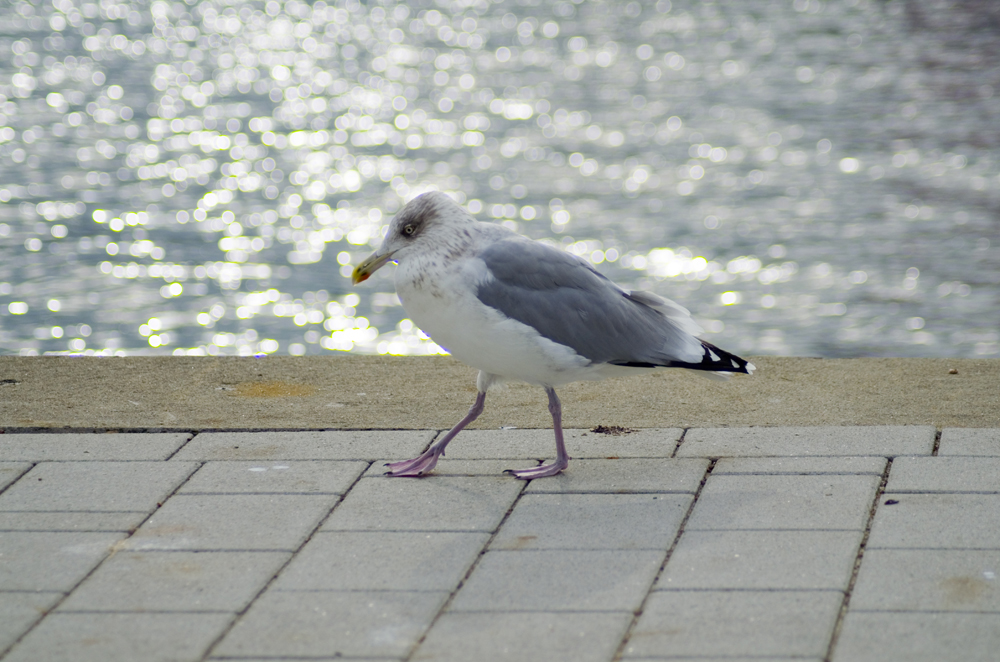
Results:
937 443
858 560
239 614
114 550
468 573
177 450
194 432
680 440
18 477
620 650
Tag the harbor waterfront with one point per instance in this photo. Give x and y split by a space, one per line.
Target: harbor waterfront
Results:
199 178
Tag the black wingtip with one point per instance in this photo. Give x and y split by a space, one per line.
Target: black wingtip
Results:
713 359
719 360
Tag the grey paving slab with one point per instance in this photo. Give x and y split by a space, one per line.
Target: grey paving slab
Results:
19 610
944 474
784 502
970 441
559 580
49 561
580 444
369 560
887 441
85 637
928 580
593 521
11 471
524 637
697 624
91 446
783 466
232 522
431 503
762 560
947 521
283 477
342 624
70 521
176 581
307 445
95 486
626 475
918 637
728 658
321 658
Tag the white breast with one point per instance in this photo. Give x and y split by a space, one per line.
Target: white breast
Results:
440 298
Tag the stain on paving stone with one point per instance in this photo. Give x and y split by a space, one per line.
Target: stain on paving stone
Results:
615 430
963 590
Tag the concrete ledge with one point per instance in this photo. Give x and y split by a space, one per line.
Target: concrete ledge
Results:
381 392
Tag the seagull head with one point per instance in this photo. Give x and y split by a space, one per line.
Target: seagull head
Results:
410 227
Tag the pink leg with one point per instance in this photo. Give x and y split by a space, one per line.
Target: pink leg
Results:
562 460
418 466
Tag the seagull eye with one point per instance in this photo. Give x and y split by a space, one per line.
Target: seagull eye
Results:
409 230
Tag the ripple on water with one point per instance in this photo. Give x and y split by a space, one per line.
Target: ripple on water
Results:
200 178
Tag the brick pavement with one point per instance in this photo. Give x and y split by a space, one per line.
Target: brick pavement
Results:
840 544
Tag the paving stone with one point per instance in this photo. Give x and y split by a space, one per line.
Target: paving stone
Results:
70 521
19 610
291 477
324 658
341 624
699 624
517 444
762 560
307 445
95 486
524 637
945 474
363 560
593 521
784 502
799 465
970 441
947 521
82 446
232 522
563 580
884 440
928 580
918 637
431 503
82 637
11 471
48 561
726 658
176 581
624 476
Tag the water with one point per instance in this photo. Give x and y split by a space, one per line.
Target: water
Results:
809 178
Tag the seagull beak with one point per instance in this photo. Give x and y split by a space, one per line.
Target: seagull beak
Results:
372 263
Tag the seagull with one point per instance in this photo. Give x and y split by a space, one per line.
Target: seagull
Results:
518 309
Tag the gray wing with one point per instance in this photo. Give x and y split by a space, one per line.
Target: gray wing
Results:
570 303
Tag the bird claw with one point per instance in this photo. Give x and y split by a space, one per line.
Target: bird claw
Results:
414 468
542 471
